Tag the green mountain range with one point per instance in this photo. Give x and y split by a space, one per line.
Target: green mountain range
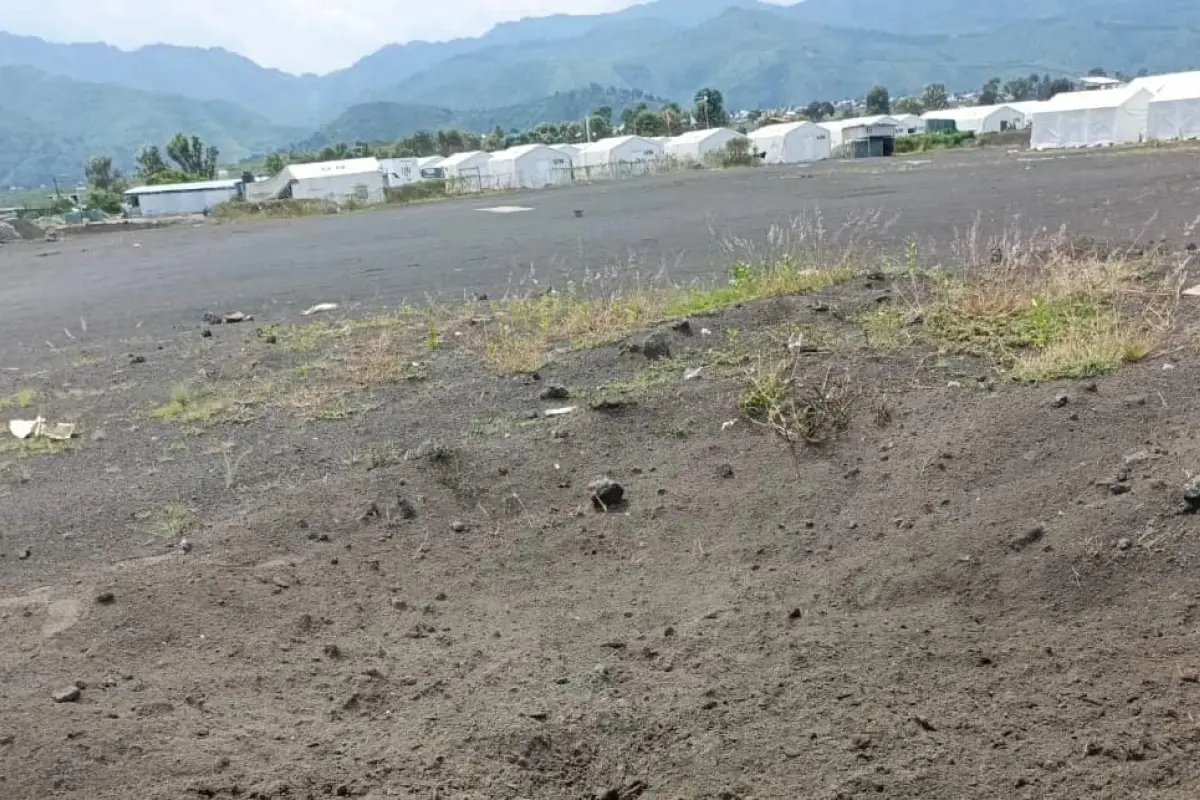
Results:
60 103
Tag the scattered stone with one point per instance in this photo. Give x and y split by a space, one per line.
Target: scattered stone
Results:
559 433
369 513
185 546
7 739
234 317
1191 493
1189 675
1032 536
553 392
860 742
1062 400
1119 488
23 555
1140 457
70 694
206 334
399 604
795 614
925 724
819 307
405 509
458 526
8 233
105 598
656 346
332 651
683 326
210 318
427 449
137 360
725 471
513 505
606 493
1124 543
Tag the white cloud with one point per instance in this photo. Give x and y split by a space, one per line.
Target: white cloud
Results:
295 35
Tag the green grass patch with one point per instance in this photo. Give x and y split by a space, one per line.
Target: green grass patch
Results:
189 406
174 520
24 398
925 142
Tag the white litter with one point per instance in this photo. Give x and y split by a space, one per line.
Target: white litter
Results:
692 374
559 412
727 425
318 308
705 332
38 429
1193 291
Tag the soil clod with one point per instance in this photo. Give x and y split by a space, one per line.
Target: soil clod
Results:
606 494
70 694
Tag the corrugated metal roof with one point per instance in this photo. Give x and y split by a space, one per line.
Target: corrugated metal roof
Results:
174 188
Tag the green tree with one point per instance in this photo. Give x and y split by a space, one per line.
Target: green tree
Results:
990 95
1052 87
935 97
599 127
908 105
495 140
649 123
150 162
879 101
194 159
1020 89
819 110
106 185
1097 72
674 120
710 109
605 113
273 165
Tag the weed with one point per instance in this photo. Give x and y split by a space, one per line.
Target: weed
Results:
232 465
25 398
379 455
881 411
34 446
433 338
886 328
173 521
775 397
187 406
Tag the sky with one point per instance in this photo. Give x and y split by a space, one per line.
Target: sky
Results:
293 35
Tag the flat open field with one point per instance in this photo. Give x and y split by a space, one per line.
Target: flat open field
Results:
902 515
166 278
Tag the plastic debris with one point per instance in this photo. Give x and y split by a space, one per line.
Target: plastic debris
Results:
318 308
692 374
1193 291
727 425
38 429
559 412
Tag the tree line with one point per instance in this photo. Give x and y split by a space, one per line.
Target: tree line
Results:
187 160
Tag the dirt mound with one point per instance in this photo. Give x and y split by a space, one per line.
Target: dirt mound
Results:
963 587
8 233
27 230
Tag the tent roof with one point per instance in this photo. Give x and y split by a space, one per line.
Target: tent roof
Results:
842 124
1178 86
461 158
693 137
614 142
513 153
176 188
321 169
1101 98
967 113
781 129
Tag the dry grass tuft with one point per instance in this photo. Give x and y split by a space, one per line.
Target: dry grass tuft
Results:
800 411
1051 312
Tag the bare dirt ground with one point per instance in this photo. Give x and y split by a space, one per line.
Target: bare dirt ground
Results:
356 558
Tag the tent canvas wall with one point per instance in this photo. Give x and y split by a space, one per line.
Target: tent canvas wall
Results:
791 143
531 166
1092 119
1174 113
570 151
357 178
838 127
695 145
909 125
399 171
470 171
980 119
620 156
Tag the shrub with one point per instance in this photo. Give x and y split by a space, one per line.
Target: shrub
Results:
925 142
418 192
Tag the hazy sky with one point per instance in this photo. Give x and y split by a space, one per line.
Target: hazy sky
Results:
295 35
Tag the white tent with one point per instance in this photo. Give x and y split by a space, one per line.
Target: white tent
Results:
1026 108
1169 82
620 155
1174 114
469 171
1090 119
695 145
530 166
837 127
570 151
429 162
908 124
399 171
791 142
980 119
355 178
